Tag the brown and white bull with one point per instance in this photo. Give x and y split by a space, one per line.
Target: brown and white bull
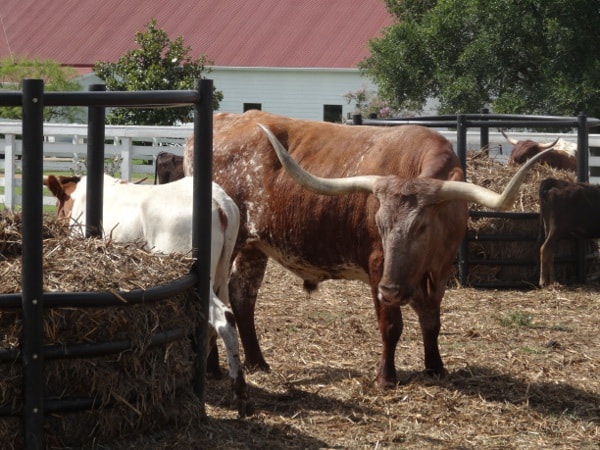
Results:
160 216
562 156
567 209
397 226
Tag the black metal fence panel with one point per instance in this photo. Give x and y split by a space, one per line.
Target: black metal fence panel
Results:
33 301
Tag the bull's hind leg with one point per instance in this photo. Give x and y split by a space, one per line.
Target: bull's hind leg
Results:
246 277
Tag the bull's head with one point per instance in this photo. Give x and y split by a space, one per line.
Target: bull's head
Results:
408 222
524 150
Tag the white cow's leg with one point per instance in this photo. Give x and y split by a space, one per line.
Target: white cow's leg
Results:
222 319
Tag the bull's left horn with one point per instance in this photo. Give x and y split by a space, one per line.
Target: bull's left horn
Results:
459 190
318 185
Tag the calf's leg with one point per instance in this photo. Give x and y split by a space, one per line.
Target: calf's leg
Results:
222 319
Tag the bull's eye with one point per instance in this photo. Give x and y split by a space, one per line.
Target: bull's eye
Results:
421 229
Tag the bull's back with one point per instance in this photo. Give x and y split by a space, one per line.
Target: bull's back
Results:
332 150
284 218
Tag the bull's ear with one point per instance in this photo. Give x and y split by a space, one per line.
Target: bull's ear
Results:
56 187
69 184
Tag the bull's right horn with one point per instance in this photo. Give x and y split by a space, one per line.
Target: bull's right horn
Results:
318 185
548 145
510 140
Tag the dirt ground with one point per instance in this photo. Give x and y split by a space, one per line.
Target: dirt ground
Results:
523 374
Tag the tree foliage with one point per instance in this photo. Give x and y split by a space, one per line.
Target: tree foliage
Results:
56 78
158 64
526 56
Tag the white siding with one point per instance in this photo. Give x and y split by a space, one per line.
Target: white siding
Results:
297 93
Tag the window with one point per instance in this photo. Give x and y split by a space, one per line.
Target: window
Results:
332 113
249 106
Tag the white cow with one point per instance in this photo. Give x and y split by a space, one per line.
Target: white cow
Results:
161 216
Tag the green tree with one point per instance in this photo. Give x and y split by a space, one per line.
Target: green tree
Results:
56 78
158 64
526 56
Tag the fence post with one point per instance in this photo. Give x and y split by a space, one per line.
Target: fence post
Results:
32 285
9 172
126 147
461 150
95 167
201 220
584 176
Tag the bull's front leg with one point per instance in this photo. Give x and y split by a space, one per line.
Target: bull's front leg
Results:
390 323
429 320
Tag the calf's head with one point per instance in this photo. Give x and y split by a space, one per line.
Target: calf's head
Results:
62 187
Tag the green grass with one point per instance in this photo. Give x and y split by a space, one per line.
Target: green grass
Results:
516 319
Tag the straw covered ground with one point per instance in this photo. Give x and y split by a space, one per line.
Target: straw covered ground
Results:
523 364
523 374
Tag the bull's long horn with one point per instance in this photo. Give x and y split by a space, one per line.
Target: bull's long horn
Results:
510 140
318 185
459 190
548 145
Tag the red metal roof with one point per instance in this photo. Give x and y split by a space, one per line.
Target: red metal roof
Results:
231 33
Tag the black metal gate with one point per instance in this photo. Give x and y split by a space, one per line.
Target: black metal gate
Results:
33 301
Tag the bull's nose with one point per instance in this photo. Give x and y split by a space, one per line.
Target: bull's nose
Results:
392 295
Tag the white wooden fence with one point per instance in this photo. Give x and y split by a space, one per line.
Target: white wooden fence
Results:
65 150
129 150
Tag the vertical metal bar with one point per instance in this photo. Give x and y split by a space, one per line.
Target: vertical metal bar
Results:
582 175
95 166
484 133
461 150
10 149
32 287
201 219
582 149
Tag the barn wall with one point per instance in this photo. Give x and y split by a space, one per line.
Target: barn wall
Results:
298 93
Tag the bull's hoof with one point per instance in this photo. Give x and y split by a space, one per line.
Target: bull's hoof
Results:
245 407
439 374
384 382
256 366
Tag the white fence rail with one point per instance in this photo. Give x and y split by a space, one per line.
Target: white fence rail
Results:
65 150
128 150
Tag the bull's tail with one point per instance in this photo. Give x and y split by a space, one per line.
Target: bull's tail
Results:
545 186
156 167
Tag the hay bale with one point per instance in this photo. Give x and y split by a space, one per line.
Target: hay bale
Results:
494 175
136 391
